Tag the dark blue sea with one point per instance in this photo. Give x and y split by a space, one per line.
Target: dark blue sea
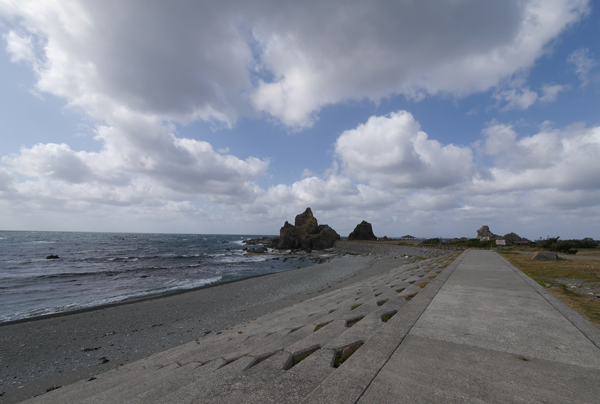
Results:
100 268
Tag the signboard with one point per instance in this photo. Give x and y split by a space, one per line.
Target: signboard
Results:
500 242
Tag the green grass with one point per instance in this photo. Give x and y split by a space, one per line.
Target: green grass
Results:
318 327
343 354
386 317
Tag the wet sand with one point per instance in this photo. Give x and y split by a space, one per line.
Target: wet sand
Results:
42 354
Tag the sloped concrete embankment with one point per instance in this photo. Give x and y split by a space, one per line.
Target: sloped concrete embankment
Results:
282 357
352 247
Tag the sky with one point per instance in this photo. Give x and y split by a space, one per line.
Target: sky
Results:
430 118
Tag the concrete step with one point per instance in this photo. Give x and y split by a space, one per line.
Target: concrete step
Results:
183 376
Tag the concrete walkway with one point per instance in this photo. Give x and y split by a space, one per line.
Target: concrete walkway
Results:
492 335
473 329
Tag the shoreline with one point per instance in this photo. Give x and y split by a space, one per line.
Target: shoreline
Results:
132 300
45 353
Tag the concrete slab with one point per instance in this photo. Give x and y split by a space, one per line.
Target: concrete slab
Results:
425 370
486 304
490 335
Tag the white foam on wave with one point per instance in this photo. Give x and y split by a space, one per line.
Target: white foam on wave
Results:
173 286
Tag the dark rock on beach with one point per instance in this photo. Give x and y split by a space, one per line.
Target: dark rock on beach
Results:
363 231
264 241
306 234
257 250
52 257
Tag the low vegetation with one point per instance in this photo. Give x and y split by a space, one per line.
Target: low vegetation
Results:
574 281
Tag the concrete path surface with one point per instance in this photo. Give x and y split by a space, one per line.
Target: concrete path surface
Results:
492 335
466 328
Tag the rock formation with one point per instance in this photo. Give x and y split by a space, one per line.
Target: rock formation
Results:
485 234
544 256
306 234
512 238
363 231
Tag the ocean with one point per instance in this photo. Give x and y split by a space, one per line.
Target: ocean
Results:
95 269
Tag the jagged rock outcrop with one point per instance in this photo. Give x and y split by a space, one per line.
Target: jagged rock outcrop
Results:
512 238
306 234
485 234
363 231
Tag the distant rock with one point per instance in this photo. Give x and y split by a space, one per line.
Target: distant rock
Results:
306 234
485 234
265 241
384 238
363 231
544 256
257 250
512 238
52 257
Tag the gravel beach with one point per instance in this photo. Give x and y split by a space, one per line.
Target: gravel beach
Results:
42 354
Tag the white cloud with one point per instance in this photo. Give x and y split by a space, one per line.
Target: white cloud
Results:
584 64
328 54
140 147
550 92
516 98
392 151
19 48
222 60
565 160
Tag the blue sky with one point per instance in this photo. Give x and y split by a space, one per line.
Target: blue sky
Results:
426 118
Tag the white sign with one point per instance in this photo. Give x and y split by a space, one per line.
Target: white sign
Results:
500 242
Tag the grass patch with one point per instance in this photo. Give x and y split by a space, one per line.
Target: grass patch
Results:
422 284
319 326
382 302
343 354
588 252
567 279
299 357
409 297
351 322
356 306
386 316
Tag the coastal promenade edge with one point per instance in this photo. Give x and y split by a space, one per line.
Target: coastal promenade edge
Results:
492 335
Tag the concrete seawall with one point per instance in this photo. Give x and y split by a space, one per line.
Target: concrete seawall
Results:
463 328
388 249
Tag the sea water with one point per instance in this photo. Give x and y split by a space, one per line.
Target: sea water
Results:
95 269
